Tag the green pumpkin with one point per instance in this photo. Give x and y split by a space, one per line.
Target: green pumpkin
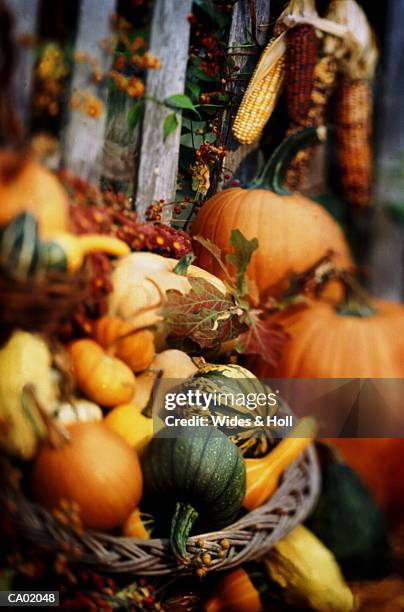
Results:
202 472
238 383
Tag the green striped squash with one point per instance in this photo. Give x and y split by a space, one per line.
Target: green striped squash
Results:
202 472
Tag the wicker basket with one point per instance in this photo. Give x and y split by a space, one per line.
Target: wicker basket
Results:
42 305
249 537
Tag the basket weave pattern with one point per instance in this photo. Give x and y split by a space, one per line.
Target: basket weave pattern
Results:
249 537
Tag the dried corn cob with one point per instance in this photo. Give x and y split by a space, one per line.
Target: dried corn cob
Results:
324 80
261 95
354 155
301 58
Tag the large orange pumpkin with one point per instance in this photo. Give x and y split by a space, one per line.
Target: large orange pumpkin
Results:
26 185
293 232
326 344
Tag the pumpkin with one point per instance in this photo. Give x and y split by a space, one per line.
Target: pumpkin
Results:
140 282
135 347
26 185
293 232
103 379
263 474
202 472
233 387
96 469
78 411
24 360
127 421
328 341
136 526
234 592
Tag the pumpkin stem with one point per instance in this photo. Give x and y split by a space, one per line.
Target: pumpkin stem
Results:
272 176
183 520
356 300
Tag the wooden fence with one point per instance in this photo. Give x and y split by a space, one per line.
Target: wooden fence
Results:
151 163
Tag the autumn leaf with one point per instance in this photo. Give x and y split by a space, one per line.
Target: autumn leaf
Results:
264 337
240 258
204 315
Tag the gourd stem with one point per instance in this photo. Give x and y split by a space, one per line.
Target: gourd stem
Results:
356 300
183 520
272 176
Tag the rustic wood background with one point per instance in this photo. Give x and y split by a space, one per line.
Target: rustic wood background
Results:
93 148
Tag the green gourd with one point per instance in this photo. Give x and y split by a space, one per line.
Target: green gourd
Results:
202 472
348 521
234 387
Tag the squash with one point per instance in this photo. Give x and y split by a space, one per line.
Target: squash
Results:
263 474
24 360
234 592
135 347
234 388
293 232
140 282
145 384
136 526
347 520
78 411
202 472
96 469
24 255
352 340
103 379
306 576
26 185
128 421
173 364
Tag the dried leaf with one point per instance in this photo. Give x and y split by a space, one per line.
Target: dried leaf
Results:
243 250
204 315
264 337
216 254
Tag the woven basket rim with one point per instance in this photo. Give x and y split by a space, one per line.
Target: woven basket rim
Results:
249 537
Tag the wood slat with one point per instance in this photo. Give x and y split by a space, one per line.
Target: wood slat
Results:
25 14
388 248
169 40
83 138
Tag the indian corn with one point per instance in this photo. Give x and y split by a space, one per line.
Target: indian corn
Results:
301 58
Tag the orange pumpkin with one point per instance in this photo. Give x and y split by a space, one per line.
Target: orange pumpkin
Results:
96 469
234 592
293 232
26 185
135 348
326 344
106 380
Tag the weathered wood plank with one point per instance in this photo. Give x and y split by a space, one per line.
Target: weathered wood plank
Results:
387 276
241 160
25 14
158 158
83 138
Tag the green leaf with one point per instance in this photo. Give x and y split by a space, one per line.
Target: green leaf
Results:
197 140
193 125
170 125
134 115
243 250
180 102
195 90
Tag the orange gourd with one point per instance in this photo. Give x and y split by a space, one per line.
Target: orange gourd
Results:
96 469
26 185
293 232
120 338
325 343
106 380
263 474
136 526
234 592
